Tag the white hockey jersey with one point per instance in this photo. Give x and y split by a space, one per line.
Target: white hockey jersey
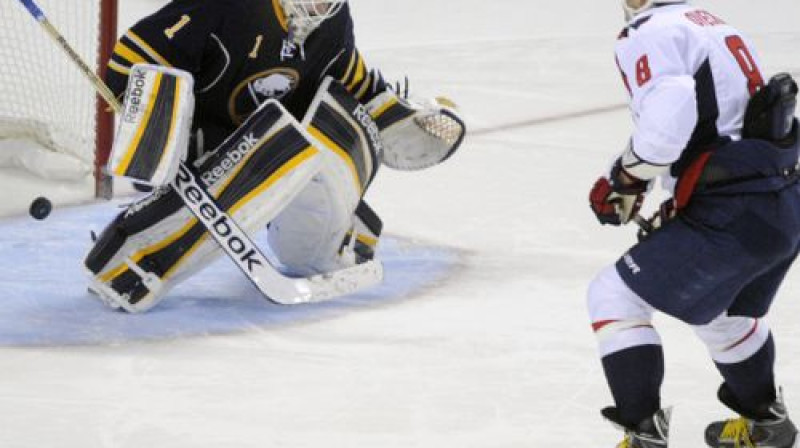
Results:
690 76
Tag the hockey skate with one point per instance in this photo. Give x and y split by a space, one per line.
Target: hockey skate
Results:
652 432
767 428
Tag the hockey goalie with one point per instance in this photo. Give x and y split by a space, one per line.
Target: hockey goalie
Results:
302 182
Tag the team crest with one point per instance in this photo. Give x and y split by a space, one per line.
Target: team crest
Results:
257 89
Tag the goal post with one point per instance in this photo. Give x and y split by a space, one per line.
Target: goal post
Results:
107 29
52 123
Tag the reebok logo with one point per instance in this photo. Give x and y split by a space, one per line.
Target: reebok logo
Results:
136 85
232 158
238 246
141 205
362 115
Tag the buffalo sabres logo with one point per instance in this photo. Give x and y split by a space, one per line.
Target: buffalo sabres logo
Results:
263 86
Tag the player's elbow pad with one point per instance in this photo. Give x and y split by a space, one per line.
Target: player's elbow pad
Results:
416 135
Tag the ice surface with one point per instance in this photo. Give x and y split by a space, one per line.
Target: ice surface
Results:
492 351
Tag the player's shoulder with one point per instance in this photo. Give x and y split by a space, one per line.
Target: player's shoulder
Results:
663 25
671 19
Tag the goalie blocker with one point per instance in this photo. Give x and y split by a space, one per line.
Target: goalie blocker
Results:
154 125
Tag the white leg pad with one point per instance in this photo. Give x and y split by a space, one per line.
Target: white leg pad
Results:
306 236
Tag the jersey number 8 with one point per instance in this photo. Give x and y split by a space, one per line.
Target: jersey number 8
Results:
746 62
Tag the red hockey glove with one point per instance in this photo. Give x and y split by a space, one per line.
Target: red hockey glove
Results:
616 199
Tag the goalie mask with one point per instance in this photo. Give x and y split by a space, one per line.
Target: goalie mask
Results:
307 15
633 7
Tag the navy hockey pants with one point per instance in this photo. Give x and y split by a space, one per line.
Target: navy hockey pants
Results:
722 253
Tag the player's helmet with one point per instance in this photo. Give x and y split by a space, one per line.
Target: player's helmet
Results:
306 15
633 7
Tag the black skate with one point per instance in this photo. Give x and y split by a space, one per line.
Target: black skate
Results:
652 432
767 428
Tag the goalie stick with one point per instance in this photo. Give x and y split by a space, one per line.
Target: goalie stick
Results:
239 247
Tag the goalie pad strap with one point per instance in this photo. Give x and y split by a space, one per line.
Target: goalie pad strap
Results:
370 220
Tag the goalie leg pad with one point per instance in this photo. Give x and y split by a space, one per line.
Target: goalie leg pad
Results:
252 176
307 235
154 126
322 230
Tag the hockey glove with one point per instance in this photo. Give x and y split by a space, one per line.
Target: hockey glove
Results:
616 199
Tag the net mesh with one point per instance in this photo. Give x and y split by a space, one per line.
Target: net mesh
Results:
44 98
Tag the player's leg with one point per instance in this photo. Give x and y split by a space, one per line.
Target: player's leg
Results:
743 350
713 259
157 242
632 358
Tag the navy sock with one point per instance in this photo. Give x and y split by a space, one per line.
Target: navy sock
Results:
752 381
635 376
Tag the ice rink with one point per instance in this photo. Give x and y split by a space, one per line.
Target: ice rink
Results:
478 339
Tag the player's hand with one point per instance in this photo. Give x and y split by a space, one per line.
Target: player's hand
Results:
617 198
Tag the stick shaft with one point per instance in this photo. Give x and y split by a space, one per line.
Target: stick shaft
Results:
98 83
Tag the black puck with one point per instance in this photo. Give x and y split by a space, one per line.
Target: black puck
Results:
41 207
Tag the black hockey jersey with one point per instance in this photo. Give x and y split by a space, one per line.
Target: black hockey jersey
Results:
240 55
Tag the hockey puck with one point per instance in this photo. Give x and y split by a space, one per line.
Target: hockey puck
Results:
41 207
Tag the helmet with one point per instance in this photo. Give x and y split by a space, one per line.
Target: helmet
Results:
633 7
306 15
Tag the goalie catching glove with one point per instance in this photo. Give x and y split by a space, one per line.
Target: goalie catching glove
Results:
416 135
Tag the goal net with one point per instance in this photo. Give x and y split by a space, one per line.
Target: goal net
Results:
51 122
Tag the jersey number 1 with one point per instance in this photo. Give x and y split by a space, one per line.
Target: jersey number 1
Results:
746 62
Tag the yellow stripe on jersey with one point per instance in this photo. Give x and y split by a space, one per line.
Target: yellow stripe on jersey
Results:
349 70
125 52
131 151
316 133
280 14
359 76
119 68
364 87
144 46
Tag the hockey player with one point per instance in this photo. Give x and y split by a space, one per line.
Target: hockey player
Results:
256 69
715 254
